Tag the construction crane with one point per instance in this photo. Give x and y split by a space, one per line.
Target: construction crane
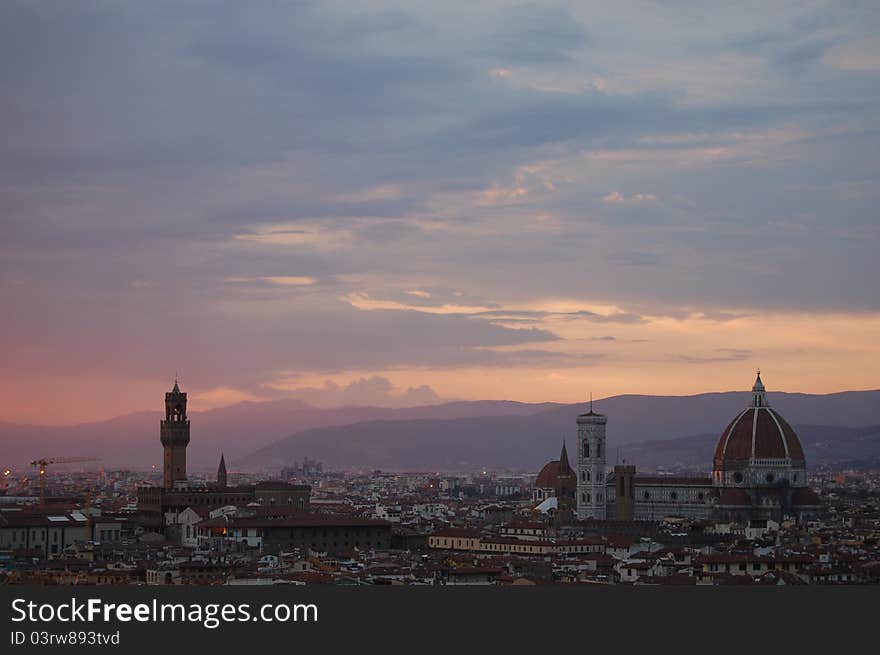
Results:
44 462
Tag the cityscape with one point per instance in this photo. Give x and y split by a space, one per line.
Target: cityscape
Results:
315 293
761 515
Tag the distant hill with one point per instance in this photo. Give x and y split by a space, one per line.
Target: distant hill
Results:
132 440
823 445
525 442
447 436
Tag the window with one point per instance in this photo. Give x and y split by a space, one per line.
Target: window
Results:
647 495
674 495
588 476
737 477
770 477
586 449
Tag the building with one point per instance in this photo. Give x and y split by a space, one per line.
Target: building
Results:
221 472
174 435
636 497
591 493
155 503
759 472
275 534
46 533
623 496
759 466
557 480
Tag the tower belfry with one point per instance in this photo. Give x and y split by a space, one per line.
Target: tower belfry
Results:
174 434
591 465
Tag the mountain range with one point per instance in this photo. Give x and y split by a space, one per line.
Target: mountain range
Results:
834 446
132 440
650 431
636 425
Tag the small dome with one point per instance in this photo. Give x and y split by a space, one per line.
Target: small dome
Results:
548 478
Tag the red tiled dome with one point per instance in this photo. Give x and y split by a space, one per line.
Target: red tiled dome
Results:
758 432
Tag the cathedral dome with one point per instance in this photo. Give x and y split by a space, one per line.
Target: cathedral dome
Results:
758 433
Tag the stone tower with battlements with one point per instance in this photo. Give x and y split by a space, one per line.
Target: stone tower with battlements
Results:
174 434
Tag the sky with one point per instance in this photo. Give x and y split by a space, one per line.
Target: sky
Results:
404 203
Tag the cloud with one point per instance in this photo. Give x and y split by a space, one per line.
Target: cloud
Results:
373 391
535 34
281 280
250 190
523 357
613 316
220 397
615 197
720 355
860 55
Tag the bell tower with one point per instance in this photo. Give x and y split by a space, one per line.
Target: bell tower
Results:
591 465
174 434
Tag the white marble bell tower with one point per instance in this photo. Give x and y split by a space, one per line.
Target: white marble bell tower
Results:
591 465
